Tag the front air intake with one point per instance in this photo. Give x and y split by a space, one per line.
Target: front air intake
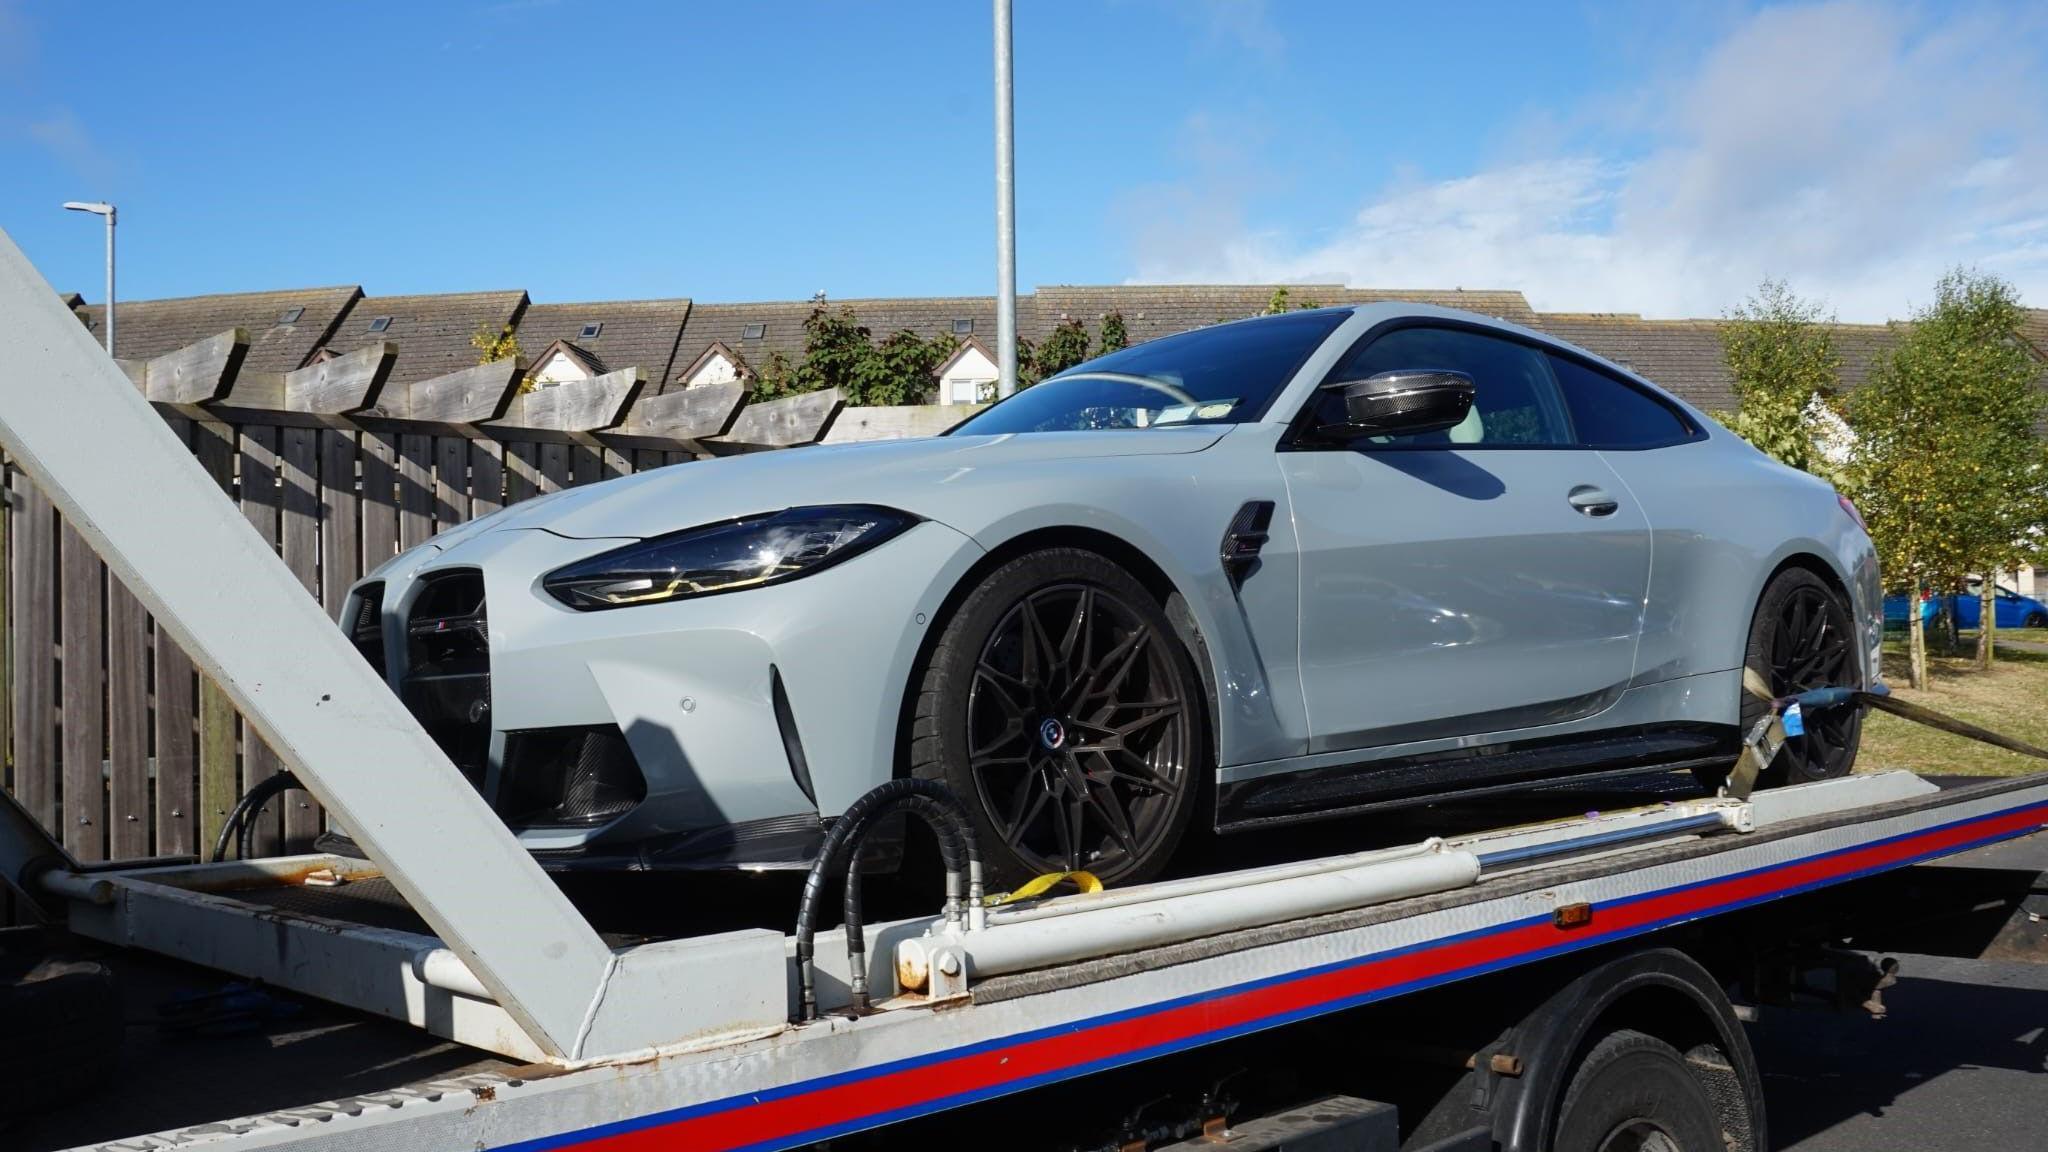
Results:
568 777
447 678
365 624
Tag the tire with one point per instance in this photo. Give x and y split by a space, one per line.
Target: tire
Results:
64 1031
1062 709
1634 1093
1802 637
2035 620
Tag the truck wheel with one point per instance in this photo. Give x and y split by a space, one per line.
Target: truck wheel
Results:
1801 638
1063 710
1634 1093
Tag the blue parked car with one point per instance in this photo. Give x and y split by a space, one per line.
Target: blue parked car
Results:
2012 609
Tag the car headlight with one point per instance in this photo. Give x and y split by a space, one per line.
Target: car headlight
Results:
744 553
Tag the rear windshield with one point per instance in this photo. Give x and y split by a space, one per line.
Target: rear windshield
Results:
1221 375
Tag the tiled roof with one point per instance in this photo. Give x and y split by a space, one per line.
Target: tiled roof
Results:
433 333
151 328
1685 356
589 362
1154 310
782 324
2034 329
635 333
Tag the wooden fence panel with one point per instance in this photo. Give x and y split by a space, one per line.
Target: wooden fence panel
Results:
415 490
451 481
219 780
380 498
299 544
486 477
258 479
522 471
176 687
82 803
128 792
33 581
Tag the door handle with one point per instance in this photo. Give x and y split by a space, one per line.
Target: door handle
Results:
1592 501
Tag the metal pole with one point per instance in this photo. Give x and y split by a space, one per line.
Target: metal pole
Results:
1006 212
110 279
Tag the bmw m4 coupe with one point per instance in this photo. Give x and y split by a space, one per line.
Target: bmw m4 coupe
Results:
1261 572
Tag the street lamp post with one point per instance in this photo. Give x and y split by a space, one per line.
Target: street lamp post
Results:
102 208
1006 213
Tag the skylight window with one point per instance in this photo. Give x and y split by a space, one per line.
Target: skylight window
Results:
754 332
592 330
963 327
291 315
380 323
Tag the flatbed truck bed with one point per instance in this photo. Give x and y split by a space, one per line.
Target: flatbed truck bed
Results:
1722 898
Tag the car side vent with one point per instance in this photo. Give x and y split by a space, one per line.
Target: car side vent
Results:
1244 538
366 625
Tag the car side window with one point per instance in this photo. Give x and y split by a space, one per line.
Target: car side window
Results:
1514 400
1610 413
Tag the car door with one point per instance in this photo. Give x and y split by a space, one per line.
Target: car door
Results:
1477 580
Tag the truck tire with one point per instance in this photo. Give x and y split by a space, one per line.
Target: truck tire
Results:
1634 1093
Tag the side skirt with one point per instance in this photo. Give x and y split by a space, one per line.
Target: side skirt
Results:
1347 789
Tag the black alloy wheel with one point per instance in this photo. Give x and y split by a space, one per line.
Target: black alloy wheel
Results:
1803 638
1062 709
2035 620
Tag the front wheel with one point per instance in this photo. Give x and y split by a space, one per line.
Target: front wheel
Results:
1635 1093
1063 710
2035 620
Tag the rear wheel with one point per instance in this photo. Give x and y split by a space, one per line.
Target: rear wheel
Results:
1634 1093
1802 638
1062 709
2035 620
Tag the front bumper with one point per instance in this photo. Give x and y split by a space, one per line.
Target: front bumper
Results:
751 716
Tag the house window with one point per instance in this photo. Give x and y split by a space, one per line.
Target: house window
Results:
592 330
964 391
754 332
963 327
291 315
380 323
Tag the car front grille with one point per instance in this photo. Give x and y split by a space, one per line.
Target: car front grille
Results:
446 679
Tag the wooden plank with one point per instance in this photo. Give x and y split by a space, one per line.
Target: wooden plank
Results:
686 414
33 579
647 459
486 477
451 481
299 543
897 423
177 704
128 815
260 501
522 471
219 786
415 490
344 384
82 588
197 372
379 498
586 466
341 555
554 467
616 464
785 423
579 405
469 396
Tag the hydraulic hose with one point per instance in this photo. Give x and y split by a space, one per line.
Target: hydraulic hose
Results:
241 823
930 802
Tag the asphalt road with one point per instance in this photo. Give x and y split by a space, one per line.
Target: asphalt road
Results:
1956 1066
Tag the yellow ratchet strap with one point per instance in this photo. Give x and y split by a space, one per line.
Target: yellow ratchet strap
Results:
1084 883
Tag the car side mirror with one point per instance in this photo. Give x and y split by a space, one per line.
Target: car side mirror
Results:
1403 402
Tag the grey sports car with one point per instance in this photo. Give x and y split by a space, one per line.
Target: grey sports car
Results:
1266 571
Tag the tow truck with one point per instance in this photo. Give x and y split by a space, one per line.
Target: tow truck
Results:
1544 977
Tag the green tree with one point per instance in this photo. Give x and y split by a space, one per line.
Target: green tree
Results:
1276 303
907 362
1115 337
1786 371
1949 467
1065 346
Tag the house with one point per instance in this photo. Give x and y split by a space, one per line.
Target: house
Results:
565 342
285 328
736 341
969 375
435 334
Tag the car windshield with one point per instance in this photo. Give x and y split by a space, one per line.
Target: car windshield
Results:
1221 375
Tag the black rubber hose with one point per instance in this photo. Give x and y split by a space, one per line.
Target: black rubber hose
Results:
241 825
855 822
946 826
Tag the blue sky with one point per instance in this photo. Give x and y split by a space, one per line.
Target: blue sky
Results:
1654 158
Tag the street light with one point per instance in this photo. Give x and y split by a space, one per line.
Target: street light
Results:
102 208
1006 211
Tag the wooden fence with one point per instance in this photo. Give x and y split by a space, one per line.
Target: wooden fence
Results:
112 739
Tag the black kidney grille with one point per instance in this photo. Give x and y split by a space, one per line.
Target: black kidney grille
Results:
447 678
366 625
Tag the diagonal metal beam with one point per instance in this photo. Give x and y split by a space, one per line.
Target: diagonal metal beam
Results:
74 423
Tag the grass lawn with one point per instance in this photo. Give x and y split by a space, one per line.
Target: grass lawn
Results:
2011 698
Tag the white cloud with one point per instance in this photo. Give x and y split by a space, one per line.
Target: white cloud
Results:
1846 147
64 136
